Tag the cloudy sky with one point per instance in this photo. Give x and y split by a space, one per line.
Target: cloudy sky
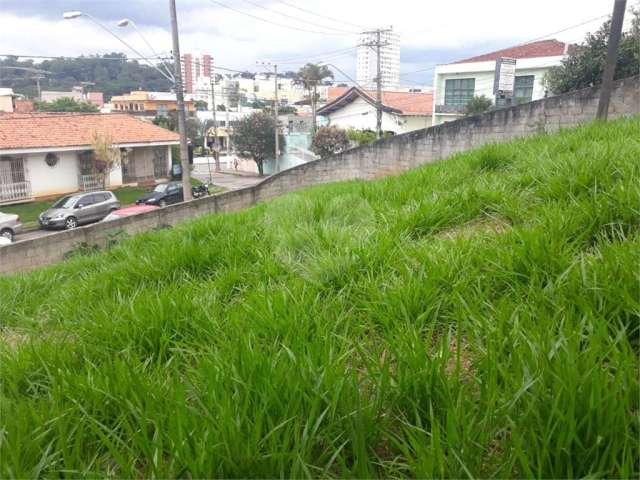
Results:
240 32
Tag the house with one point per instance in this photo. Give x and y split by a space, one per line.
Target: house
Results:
457 83
7 100
46 154
150 104
401 111
77 93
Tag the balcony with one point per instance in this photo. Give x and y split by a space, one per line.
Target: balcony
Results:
455 109
15 192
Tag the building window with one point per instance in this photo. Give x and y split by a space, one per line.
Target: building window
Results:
523 88
458 91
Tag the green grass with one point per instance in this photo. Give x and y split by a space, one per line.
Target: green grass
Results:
477 317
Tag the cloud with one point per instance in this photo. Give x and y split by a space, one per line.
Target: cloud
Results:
431 31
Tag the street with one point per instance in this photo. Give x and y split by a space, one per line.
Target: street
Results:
228 181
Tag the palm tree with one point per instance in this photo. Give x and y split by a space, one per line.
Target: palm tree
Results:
310 76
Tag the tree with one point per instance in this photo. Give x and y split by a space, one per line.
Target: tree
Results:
310 76
584 65
329 141
106 156
200 105
254 138
477 105
65 104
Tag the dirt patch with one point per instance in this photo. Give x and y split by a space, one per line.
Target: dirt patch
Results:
475 227
12 338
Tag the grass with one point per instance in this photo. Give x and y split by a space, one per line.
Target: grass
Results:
477 317
29 211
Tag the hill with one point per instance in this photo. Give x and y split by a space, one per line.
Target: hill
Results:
473 317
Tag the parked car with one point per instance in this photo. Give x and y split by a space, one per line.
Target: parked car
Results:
129 211
163 194
78 209
9 225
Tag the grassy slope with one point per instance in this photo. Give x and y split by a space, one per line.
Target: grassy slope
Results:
475 317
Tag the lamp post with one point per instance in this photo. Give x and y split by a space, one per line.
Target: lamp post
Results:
77 14
125 22
275 114
175 79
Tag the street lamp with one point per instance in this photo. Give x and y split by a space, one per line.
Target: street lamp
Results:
275 112
77 14
125 22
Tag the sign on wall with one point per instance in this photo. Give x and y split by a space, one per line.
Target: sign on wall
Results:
505 76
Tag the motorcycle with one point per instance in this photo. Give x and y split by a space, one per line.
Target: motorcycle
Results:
200 191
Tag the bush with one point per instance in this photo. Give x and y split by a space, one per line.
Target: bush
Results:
329 141
477 105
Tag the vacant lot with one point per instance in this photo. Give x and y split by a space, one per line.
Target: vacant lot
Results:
475 317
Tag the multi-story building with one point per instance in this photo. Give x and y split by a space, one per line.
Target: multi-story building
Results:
455 84
150 104
193 67
367 62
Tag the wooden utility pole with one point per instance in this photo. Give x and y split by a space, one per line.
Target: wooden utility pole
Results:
612 58
216 155
182 122
377 45
275 115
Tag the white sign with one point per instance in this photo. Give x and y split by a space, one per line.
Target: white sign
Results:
505 76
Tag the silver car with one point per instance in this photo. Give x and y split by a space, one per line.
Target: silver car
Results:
9 225
78 209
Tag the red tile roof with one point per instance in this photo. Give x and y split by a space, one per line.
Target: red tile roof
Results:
42 130
404 103
543 48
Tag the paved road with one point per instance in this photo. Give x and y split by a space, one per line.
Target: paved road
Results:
201 172
227 180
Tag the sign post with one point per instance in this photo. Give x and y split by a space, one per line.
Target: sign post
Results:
504 81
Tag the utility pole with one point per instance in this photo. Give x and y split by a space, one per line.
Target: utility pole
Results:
182 123
216 156
377 45
275 115
612 57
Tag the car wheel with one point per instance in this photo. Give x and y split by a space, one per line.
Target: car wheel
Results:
70 222
7 233
163 203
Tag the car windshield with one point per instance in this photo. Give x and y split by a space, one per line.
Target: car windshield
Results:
161 188
65 202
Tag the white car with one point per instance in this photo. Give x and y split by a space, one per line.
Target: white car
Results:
9 225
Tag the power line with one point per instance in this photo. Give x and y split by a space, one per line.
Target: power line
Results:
256 17
297 18
320 15
317 55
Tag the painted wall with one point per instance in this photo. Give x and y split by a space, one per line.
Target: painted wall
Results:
484 72
56 180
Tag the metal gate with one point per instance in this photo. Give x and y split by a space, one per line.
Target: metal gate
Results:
14 185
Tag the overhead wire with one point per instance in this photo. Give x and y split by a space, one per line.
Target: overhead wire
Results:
297 19
321 15
256 17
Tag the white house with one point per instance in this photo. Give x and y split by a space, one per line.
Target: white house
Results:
401 111
457 83
46 154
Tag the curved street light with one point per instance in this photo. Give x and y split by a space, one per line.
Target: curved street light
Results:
125 22
76 14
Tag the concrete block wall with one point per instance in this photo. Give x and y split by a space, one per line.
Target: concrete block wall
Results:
380 158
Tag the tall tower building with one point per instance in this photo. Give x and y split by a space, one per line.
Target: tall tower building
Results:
366 71
194 67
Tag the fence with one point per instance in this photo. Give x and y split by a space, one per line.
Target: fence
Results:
90 182
15 191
